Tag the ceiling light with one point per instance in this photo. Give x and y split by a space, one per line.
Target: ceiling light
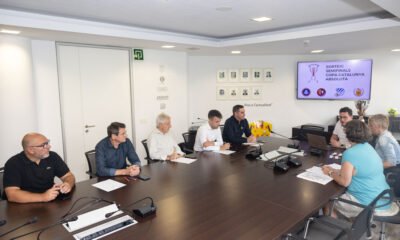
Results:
224 9
10 31
167 46
235 52
317 51
396 50
261 19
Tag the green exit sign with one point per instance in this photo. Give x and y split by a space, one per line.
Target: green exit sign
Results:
138 54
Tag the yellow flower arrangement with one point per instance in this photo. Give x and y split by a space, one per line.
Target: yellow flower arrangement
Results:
260 128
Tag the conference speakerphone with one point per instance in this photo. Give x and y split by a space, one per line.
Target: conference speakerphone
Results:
106 228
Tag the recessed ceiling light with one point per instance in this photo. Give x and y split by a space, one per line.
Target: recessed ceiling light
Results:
167 46
396 50
224 9
10 31
235 52
317 51
261 19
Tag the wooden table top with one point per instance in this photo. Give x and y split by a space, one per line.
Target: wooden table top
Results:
216 197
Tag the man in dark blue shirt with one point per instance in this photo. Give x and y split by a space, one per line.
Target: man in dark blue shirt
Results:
112 151
236 128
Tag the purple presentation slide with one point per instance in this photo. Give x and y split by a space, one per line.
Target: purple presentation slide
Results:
348 79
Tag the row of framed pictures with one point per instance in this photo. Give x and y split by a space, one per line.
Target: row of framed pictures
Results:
236 93
245 75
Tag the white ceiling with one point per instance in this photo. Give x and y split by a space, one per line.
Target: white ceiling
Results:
338 26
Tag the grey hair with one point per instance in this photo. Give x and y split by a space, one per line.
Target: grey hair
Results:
161 118
379 120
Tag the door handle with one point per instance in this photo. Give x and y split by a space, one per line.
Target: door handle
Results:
90 126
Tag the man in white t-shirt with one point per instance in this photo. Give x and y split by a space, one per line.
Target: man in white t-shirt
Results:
209 136
339 138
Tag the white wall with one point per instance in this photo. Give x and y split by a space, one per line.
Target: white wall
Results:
286 111
146 81
29 93
17 97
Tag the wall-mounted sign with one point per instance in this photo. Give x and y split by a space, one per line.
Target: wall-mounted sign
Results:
138 54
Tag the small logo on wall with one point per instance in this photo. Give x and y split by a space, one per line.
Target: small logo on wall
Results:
358 92
339 92
321 92
306 92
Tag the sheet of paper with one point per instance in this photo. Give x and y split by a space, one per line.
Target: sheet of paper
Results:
300 154
184 160
108 185
313 177
287 150
335 166
91 217
253 144
225 152
270 155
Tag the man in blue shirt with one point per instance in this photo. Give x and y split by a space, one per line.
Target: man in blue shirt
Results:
236 128
112 151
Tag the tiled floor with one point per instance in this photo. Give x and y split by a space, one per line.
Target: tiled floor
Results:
392 231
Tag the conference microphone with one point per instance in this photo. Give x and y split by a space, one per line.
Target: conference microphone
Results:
294 145
30 221
146 210
3 222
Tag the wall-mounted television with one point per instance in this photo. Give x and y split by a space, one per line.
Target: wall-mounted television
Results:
331 80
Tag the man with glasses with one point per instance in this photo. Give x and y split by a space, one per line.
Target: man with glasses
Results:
339 138
29 175
112 152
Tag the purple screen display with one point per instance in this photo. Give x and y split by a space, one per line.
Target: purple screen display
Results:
350 79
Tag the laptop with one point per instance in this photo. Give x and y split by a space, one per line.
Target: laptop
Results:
318 142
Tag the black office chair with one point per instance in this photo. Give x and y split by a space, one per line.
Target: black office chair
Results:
327 227
189 138
393 178
1 182
148 158
91 160
310 128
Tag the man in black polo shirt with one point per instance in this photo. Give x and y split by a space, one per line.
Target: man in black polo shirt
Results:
236 128
29 175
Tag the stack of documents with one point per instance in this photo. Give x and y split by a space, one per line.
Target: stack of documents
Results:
184 160
315 174
225 152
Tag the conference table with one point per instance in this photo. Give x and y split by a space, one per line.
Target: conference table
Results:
216 197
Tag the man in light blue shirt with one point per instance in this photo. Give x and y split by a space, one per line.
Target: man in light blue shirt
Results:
386 145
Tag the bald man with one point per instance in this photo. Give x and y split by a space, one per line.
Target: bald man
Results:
29 175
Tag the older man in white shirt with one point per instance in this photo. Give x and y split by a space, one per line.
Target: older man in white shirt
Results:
209 136
162 145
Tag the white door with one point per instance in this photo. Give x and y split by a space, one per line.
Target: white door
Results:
95 91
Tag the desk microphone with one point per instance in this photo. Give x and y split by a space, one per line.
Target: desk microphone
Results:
294 145
30 221
3 222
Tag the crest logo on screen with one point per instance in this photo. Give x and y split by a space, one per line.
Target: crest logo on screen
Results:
321 92
339 92
306 92
313 70
358 92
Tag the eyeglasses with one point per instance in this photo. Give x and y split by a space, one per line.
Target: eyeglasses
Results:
43 145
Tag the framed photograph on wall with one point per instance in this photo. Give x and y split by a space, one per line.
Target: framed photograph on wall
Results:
245 75
257 74
233 93
233 75
222 93
267 75
222 75
245 92
256 92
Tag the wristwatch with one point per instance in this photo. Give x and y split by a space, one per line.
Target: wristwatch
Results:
330 173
